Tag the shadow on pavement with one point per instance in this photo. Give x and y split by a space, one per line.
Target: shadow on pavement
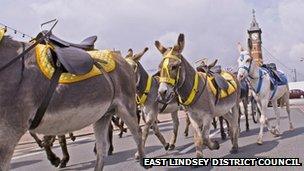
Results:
15 165
123 156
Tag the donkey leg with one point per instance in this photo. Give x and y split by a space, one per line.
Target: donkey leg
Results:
128 115
222 130
66 157
8 140
198 139
175 120
38 141
186 132
110 134
276 131
246 114
211 144
151 121
234 128
214 123
48 149
160 136
263 120
101 135
73 138
286 100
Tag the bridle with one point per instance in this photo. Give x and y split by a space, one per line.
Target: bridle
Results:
176 82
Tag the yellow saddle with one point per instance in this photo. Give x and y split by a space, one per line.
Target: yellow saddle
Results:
2 31
43 60
230 80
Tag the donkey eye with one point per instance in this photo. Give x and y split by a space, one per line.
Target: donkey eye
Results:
248 60
174 67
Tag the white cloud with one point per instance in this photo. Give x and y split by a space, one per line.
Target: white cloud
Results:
212 27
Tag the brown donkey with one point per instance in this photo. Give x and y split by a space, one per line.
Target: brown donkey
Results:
178 76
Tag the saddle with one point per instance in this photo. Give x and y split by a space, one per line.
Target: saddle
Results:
215 71
220 82
277 77
73 57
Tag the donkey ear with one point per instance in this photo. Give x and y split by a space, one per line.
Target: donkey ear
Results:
137 57
161 48
180 43
130 53
212 64
240 48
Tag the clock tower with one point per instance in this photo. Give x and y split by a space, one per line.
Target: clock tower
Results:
255 40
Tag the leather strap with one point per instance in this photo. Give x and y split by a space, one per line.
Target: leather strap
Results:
193 92
259 86
142 100
47 98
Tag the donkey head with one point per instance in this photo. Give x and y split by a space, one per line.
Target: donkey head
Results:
170 68
133 59
244 63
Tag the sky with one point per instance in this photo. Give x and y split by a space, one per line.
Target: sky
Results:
212 28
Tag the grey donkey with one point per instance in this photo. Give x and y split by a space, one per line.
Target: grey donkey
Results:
178 76
150 106
72 107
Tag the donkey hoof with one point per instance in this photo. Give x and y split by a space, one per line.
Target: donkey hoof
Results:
171 147
223 136
291 128
199 154
167 146
259 141
56 162
62 165
234 150
136 156
143 165
110 152
215 145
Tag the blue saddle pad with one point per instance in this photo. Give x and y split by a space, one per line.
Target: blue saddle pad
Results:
278 79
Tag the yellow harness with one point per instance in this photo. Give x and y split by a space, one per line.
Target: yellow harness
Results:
165 77
193 92
47 68
142 100
2 32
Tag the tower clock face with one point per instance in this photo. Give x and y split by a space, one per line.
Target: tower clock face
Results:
255 36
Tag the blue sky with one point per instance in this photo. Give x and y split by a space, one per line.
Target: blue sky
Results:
212 27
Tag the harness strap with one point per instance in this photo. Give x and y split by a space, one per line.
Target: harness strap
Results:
273 92
193 92
47 98
258 89
142 100
22 64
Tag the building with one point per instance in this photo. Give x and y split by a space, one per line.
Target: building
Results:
255 40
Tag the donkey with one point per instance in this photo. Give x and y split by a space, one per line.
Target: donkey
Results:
72 107
261 82
147 99
178 76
